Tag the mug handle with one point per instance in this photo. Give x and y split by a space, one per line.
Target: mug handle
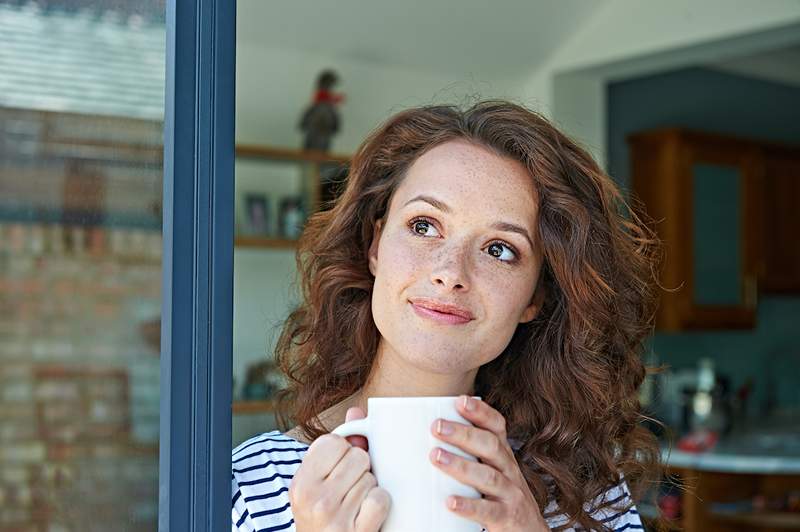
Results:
357 427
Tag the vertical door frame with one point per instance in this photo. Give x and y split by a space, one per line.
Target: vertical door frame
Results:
197 277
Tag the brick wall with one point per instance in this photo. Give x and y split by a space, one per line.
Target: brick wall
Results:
78 377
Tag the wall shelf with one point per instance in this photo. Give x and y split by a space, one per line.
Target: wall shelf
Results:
288 154
262 173
266 406
264 242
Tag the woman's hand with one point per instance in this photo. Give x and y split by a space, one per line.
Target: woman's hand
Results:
507 504
333 490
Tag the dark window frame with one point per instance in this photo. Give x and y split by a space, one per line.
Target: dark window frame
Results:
197 278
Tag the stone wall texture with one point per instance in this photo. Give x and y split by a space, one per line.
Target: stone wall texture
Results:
79 377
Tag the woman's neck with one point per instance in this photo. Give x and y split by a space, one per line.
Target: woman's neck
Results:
390 376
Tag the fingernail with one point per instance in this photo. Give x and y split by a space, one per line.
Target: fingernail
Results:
442 457
469 404
443 428
453 502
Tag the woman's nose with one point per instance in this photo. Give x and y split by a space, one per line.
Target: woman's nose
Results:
451 269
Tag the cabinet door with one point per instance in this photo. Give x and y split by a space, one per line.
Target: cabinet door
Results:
781 221
656 166
722 259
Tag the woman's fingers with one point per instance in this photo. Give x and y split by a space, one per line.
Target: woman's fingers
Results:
352 413
483 511
484 478
352 501
321 457
347 472
477 442
481 414
374 510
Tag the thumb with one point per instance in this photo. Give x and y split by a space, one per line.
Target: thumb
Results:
355 412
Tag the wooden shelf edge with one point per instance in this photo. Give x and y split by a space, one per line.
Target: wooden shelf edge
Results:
264 242
289 154
266 406
784 520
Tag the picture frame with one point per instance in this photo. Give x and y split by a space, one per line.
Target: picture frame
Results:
291 217
257 214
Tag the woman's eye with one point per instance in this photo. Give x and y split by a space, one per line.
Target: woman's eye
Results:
424 228
501 252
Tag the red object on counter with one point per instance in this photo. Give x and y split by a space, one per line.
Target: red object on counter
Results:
670 506
698 441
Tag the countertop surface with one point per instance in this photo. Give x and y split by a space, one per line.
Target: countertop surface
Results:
772 448
732 462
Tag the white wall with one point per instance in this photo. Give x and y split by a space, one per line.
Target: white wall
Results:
263 291
273 86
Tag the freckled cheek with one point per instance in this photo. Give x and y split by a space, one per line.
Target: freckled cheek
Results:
506 295
396 279
401 262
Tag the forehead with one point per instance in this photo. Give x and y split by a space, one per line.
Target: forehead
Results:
467 176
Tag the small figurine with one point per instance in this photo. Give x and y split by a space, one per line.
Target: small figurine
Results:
320 120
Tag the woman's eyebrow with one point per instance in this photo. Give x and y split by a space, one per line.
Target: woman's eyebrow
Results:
513 228
442 206
500 226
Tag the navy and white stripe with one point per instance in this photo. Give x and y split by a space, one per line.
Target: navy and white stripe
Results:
618 512
263 468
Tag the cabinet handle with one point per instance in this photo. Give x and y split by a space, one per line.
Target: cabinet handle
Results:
750 291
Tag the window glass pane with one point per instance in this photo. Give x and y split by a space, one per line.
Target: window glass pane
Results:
81 112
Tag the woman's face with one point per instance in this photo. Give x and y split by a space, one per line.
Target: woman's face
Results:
454 261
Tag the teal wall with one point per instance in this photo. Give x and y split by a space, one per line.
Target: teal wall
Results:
710 100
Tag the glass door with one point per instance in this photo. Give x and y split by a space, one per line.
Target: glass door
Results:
116 240
82 89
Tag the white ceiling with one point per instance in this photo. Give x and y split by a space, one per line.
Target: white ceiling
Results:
782 65
504 39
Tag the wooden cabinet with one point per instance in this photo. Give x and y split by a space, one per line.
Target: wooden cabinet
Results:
726 210
703 191
705 491
781 220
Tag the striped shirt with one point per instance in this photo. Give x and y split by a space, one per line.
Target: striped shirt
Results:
264 465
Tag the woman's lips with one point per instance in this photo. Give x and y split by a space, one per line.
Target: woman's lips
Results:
425 310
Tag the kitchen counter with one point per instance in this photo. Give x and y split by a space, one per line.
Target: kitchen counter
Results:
760 458
731 462
768 449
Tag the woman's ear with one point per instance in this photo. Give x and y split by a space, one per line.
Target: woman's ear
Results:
373 247
532 310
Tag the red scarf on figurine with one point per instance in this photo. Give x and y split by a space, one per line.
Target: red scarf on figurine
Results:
326 96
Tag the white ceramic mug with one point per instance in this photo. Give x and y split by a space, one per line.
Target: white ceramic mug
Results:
398 430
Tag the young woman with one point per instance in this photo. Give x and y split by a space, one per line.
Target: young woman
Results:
477 252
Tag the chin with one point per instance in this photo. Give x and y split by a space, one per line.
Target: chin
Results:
438 356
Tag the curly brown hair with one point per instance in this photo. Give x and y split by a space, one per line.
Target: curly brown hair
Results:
567 383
